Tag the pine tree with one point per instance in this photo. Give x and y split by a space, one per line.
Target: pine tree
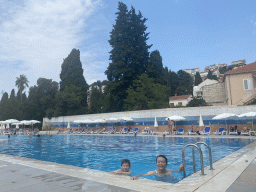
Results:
129 55
198 79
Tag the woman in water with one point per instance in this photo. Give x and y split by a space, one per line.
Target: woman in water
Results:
161 162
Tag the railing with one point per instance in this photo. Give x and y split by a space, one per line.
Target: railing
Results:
201 156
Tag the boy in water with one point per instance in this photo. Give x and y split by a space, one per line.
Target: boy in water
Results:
125 168
161 162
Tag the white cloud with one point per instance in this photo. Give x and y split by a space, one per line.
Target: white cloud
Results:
37 35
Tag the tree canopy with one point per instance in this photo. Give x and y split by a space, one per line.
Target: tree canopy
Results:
129 55
198 79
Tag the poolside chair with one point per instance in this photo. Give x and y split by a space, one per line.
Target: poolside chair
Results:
101 131
191 133
180 131
233 132
113 131
144 132
220 131
124 131
106 132
118 132
246 133
136 130
70 130
89 131
154 132
207 131
131 132
167 132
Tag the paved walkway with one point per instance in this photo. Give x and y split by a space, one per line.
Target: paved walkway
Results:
246 181
20 178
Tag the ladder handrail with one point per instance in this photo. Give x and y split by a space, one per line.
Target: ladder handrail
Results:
210 153
201 158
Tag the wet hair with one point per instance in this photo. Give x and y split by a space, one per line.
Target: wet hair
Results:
126 161
163 157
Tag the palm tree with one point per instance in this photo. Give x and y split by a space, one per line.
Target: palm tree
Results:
21 83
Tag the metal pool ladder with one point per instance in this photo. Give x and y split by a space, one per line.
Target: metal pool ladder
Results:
201 156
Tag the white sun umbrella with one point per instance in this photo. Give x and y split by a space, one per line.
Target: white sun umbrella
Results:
201 122
17 125
2 124
224 116
126 118
155 123
112 120
175 118
68 125
249 114
10 121
24 122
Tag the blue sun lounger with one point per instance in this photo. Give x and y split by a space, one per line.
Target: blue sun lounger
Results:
207 131
180 131
220 131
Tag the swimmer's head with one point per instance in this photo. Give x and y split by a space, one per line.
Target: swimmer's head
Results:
125 165
126 161
161 162
162 157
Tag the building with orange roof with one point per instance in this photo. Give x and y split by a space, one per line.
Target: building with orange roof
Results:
181 100
240 84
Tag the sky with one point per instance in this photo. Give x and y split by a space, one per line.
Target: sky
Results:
36 35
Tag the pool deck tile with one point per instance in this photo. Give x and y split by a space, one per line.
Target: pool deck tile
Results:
235 172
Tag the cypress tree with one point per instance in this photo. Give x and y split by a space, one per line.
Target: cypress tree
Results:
129 55
198 79
155 67
72 72
72 75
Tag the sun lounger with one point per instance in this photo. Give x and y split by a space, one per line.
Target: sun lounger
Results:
136 130
167 132
131 132
118 132
106 132
233 132
207 131
246 132
180 131
191 133
113 131
154 132
124 131
144 132
219 132
90 131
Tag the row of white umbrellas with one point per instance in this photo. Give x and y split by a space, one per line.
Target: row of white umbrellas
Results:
17 123
104 120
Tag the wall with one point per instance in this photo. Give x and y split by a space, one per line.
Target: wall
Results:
214 93
236 95
145 118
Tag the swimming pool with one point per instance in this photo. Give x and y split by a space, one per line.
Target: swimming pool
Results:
105 153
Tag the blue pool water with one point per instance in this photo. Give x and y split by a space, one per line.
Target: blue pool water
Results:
105 153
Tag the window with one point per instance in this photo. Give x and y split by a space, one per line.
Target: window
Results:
248 84
179 103
171 104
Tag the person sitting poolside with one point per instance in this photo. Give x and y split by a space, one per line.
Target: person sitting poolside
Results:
245 130
161 162
125 168
231 129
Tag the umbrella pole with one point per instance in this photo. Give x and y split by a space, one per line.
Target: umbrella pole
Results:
252 124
